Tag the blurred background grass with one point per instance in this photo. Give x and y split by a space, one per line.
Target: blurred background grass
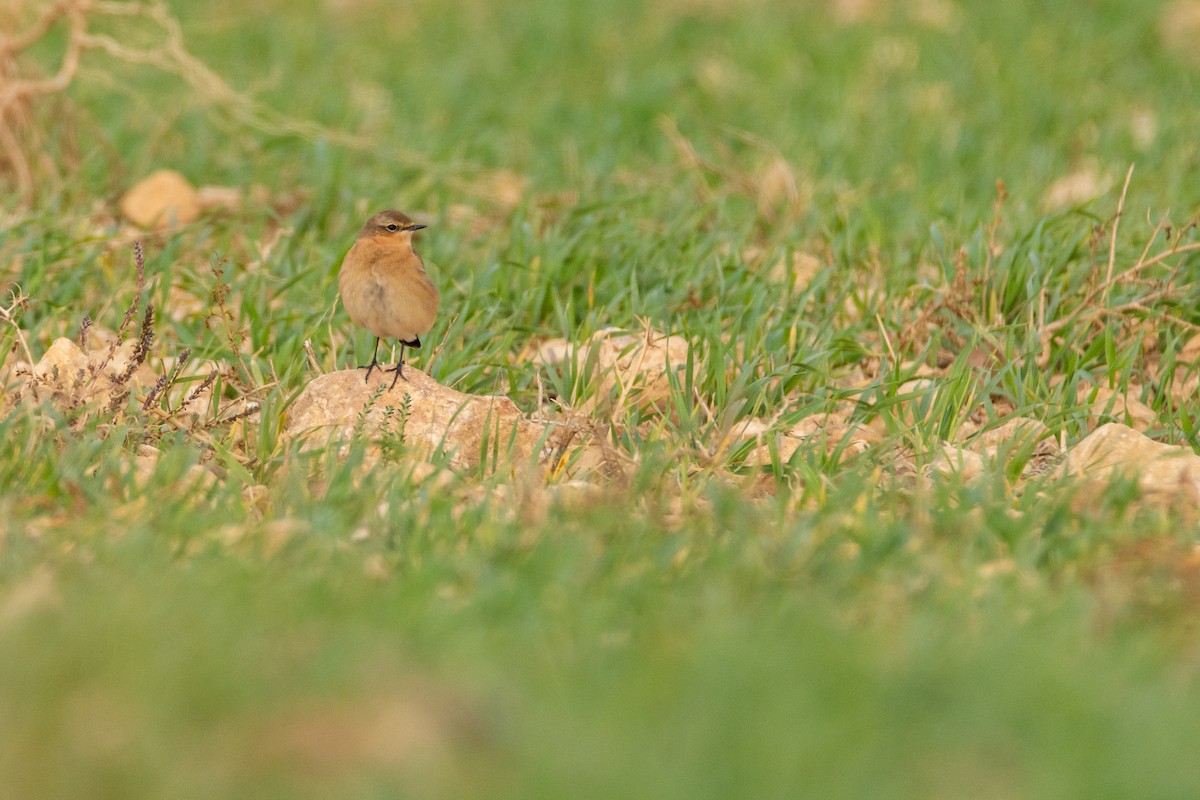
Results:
838 632
904 113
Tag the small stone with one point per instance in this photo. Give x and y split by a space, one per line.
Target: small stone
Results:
161 200
1076 188
1014 433
831 431
1122 406
62 364
952 460
628 368
1164 472
220 198
1179 27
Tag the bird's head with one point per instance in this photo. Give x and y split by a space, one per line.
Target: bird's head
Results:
390 224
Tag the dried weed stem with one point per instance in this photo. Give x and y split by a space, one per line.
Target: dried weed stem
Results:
168 53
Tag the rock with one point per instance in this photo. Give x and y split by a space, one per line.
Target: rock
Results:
182 304
73 377
917 400
467 427
219 198
636 367
1123 406
832 431
796 269
506 188
1020 437
1014 432
750 428
630 368
550 351
160 200
778 187
1184 380
121 363
785 447
61 365
145 467
1179 27
1164 472
951 460
1076 188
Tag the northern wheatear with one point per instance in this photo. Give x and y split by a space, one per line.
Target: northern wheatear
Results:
384 286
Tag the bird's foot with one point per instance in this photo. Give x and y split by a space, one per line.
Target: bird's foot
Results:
368 367
399 370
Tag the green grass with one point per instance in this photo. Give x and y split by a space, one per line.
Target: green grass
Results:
836 624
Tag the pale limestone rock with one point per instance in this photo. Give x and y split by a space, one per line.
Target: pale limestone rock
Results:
796 269
918 398
951 460
62 364
751 428
832 431
1018 436
785 447
1075 188
160 200
1185 382
778 186
506 188
636 366
336 404
182 304
121 362
629 368
1190 352
1103 401
791 268
1016 432
145 466
220 198
836 424
852 11
1179 27
66 372
1163 471
551 351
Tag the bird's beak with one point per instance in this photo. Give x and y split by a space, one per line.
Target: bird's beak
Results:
415 228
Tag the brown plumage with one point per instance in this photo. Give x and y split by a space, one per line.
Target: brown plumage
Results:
384 286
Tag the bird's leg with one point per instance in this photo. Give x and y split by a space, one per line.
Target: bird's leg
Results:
374 361
399 368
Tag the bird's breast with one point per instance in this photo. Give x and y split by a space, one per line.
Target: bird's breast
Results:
386 290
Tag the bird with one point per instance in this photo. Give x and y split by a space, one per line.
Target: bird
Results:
384 286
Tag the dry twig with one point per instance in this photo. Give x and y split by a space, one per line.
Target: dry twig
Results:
167 52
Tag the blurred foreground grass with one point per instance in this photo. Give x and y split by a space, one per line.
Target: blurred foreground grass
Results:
299 626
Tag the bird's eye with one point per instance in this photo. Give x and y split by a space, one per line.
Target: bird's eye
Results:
393 226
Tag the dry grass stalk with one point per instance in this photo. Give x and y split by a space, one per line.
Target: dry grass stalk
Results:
20 141
1155 281
86 385
9 316
775 188
1094 308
